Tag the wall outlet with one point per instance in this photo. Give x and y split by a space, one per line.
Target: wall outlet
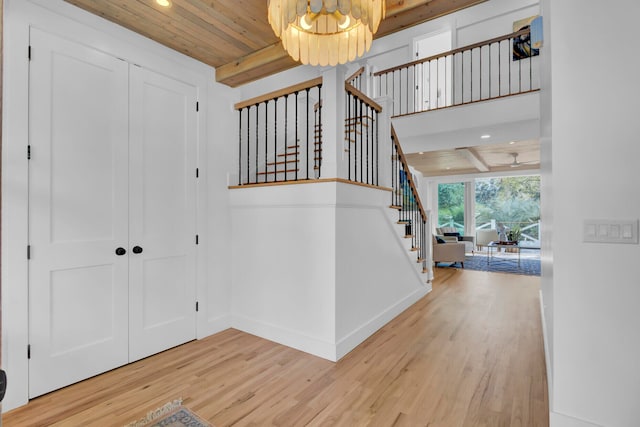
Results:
610 231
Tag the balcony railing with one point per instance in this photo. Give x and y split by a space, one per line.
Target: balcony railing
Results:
280 135
478 72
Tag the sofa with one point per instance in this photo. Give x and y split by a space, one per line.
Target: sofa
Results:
452 252
445 233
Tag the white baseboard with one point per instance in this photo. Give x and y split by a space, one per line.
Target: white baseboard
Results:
214 325
355 338
560 420
547 355
293 339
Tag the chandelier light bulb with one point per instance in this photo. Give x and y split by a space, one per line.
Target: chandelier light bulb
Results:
344 22
305 22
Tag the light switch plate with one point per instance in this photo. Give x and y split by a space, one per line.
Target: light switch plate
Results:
610 231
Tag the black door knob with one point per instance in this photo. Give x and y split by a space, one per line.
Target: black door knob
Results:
121 251
137 250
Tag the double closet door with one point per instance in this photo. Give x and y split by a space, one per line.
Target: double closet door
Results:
112 212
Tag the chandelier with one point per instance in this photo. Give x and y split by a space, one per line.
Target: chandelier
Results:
326 32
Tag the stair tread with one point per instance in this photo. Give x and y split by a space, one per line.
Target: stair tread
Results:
395 207
280 171
283 162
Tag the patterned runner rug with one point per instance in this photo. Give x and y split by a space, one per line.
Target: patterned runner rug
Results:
173 414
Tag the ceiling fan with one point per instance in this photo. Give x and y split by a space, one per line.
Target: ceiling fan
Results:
515 163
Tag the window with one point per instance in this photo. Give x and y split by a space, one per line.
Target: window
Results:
451 206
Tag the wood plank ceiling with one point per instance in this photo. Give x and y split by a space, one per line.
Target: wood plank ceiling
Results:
483 158
234 36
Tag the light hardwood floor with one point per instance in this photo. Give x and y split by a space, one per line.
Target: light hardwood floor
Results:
468 354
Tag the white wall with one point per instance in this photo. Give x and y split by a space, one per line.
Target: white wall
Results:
283 263
319 267
377 277
546 196
595 129
67 21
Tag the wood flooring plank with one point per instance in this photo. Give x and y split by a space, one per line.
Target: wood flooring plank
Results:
468 354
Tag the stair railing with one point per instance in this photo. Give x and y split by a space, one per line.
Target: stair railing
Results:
357 79
280 135
362 136
503 66
406 200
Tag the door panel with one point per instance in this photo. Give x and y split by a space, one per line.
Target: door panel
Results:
162 212
78 292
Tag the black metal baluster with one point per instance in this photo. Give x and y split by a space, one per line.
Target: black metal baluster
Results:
510 53
377 151
257 105
462 71
530 67
471 66
368 130
490 71
297 141
393 91
347 132
307 161
275 140
520 75
286 140
266 142
248 148
240 148
500 68
319 148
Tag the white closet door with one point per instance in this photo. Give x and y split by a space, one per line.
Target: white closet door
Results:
162 213
78 319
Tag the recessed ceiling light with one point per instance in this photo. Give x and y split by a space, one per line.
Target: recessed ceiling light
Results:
448 167
511 142
422 152
486 136
164 3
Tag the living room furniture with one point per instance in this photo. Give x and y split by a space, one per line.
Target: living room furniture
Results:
447 234
517 247
484 237
448 252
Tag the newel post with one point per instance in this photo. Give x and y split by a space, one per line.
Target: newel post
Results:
385 143
333 96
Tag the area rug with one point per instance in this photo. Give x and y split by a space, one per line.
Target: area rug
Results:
173 414
528 266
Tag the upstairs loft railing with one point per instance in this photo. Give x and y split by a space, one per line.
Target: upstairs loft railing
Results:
406 200
361 129
495 68
280 135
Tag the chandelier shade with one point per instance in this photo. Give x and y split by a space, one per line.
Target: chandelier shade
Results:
325 32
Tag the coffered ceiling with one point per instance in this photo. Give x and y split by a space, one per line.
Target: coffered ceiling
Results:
234 36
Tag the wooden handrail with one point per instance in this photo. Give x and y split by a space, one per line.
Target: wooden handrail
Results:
454 51
355 75
412 185
355 92
278 93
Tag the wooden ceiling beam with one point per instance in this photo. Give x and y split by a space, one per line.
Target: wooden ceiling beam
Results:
401 14
474 158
